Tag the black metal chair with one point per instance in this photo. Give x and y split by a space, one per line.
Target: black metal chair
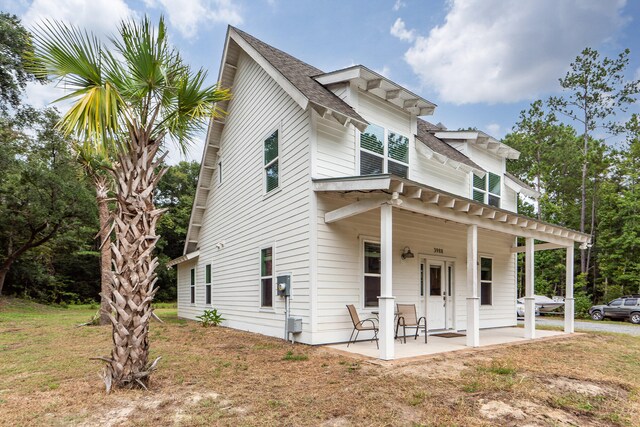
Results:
359 325
408 318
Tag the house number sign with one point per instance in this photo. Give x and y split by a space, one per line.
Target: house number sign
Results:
438 250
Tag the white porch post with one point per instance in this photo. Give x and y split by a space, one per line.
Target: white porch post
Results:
473 302
529 300
568 299
386 298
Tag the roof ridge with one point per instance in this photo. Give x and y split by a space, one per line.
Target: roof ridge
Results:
245 34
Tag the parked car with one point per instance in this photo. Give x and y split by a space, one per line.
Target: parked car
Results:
627 307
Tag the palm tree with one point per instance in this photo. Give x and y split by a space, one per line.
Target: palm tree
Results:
128 98
96 167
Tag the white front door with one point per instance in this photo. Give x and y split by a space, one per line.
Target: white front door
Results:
436 295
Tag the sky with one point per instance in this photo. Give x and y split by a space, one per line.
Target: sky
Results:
480 61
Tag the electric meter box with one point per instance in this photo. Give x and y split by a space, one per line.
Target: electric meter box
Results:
283 285
294 325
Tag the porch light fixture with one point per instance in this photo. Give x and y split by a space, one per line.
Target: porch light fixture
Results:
406 253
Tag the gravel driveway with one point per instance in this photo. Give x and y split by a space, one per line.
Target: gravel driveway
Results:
619 327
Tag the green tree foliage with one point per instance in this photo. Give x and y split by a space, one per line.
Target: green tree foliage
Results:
15 49
619 213
42 195
176 191
595 91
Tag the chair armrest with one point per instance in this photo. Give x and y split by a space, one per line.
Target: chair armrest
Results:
361 323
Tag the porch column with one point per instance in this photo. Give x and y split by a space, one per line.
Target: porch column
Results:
568 298
473 302
529 300
386 299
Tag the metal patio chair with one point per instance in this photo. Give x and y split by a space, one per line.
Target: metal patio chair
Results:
359 325
408 318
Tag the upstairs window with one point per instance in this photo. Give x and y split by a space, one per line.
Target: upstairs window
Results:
271 163
487 189
383 151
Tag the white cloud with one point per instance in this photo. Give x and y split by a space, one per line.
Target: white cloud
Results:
399 30
99 16
398 5
493 129
187 15
507 51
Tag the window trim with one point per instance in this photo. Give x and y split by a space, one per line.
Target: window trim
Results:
385 151
364 240
272 277
278 129
480 281
220 175
192 286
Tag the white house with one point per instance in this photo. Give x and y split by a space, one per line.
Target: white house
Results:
334 180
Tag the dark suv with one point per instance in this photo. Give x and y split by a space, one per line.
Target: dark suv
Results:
627 307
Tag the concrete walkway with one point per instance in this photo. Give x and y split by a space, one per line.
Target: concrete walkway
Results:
619 327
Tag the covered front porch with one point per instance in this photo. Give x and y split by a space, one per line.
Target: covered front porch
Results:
438 344
395 197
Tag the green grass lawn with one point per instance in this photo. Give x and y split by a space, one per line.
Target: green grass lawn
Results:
220 376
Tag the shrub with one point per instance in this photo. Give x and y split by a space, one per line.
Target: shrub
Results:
211 318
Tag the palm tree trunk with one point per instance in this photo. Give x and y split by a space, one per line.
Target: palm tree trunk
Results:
105 249
133 277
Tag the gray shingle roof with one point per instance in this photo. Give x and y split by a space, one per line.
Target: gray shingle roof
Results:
426 135
300 75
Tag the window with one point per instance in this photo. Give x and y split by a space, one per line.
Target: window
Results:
271 172
487 189
371 274
207 286
220 172
383 151
631 301
193 286
616 302
486 281
266 277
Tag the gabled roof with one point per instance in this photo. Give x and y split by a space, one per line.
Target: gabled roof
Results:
520 186
300 74
481 140
380 86
443 152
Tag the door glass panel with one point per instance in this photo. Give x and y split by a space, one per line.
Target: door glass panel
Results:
435 279
371 291
450 280
372 258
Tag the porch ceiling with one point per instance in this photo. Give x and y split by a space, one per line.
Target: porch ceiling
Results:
370 192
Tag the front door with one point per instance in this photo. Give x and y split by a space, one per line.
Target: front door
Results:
436 295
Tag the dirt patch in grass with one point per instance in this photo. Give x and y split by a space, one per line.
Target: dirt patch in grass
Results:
219 376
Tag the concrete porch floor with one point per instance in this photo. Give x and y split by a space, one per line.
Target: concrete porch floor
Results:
435 345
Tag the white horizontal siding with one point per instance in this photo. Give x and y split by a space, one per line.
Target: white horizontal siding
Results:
240 219
340 266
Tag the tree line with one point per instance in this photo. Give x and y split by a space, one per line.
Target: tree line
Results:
50 232
581 151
